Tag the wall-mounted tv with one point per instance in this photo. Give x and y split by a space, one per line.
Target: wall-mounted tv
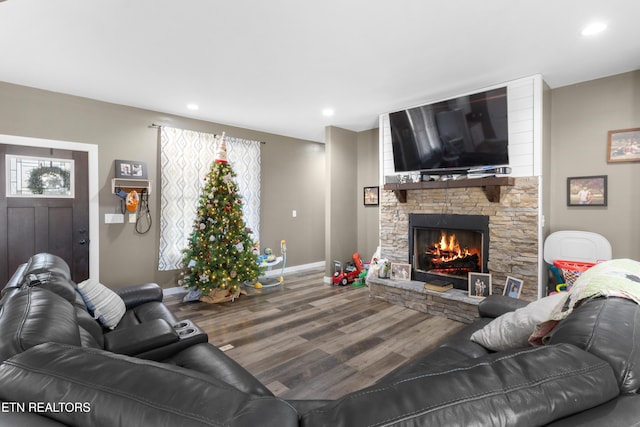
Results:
452 136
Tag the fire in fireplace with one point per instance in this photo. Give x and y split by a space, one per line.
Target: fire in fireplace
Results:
448 246
446 256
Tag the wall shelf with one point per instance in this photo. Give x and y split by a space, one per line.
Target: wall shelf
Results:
128 184
490 185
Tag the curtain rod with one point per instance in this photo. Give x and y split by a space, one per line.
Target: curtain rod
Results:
153 125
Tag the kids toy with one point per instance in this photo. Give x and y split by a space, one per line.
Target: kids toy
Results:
345 276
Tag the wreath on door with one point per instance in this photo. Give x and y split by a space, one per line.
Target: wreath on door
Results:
48 177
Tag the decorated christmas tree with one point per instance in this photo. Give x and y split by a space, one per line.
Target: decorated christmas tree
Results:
220 256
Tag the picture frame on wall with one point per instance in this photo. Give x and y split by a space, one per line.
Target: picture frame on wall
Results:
400 271
479 285
131 169
587 190
512 287
371 196
623 145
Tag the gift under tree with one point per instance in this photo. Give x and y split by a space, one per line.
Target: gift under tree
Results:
220 256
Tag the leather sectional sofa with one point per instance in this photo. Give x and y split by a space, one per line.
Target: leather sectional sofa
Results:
61 366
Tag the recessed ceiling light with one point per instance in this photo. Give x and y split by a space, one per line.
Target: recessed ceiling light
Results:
328 112
192 107
594 28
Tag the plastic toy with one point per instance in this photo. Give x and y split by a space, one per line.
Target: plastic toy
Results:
345 276
268 261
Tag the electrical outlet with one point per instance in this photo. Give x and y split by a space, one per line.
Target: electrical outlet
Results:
294 213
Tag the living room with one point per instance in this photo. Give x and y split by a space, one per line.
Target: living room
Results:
312 197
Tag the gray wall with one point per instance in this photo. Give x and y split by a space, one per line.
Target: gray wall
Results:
292 175
368 176
351 164
581 116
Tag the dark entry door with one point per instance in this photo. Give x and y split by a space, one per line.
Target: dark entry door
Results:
60 226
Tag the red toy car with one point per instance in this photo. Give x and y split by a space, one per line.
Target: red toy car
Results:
344 277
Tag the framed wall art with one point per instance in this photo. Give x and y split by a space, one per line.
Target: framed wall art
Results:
587 190
479 285
371 196
623 145
131 169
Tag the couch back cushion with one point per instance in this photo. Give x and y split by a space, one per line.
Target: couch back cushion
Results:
526 387
116 389
44 262
31 316
608 328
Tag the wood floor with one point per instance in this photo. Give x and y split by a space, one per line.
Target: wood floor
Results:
309 340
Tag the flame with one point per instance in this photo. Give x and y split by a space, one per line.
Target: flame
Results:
448 248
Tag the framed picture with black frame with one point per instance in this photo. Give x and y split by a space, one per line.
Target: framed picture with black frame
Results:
131 169
371 196
587 190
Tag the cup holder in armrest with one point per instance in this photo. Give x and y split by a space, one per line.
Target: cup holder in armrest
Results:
186 332
186 329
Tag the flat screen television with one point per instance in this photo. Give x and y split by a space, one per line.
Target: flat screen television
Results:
452 136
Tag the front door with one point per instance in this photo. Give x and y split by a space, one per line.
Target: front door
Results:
57 225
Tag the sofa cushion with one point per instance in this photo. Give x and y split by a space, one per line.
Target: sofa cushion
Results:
102 302
32 316
512 330
623 411
123 390
608 328
146 312
44 263
526 387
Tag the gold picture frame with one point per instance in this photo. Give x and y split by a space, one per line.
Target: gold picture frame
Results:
623 145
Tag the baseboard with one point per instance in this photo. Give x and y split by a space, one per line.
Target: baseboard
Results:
273 273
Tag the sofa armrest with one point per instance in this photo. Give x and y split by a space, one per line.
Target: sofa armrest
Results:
123 389
134 296
496 305
140 338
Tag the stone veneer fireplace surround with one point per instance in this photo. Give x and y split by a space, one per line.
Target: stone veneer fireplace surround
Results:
513 235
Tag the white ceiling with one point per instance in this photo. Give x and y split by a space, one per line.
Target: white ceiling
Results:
274 65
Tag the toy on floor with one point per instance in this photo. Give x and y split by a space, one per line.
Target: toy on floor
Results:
268 261
347 275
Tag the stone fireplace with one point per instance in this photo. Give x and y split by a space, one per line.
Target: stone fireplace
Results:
511 238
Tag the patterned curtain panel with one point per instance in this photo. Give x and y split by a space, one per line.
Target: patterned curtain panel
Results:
186 157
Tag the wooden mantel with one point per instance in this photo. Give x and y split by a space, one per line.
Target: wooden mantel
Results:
490 185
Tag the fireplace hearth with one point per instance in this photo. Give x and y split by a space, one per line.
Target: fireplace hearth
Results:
448 247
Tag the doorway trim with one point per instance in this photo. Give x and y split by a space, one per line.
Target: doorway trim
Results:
94 201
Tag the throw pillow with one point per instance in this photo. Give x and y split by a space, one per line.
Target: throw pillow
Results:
512 330
104 304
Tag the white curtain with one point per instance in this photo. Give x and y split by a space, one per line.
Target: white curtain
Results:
186 157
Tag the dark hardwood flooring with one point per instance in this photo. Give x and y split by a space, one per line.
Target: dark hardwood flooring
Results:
306 339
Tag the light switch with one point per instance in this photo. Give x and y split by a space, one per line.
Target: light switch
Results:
113 218
294 213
